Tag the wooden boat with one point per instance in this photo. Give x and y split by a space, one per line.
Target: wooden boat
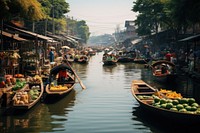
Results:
83 59
164 70
125 57
70 58
109 60
141 61
29 95
59 88
146 97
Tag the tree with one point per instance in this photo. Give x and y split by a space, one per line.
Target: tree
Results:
55 10
83 30
28 9
150 15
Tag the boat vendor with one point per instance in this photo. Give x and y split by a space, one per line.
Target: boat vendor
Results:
62 75
168 56
164 68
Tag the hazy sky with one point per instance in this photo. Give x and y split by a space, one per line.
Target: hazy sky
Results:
102 16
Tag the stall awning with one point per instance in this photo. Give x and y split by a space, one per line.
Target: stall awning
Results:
70 39
136 41
42 37
13 36
74 37
56 37
190 38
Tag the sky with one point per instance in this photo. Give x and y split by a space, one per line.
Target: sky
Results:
102 16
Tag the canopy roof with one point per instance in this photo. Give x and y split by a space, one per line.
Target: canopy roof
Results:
13 36
190 38
136 41
22 32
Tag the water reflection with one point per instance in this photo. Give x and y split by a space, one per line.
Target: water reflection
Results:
35 120
59 110
109 69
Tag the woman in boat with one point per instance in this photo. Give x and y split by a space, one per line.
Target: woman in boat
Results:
164 69
62 76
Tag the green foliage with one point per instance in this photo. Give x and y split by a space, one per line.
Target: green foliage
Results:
83 30
150 15
78 28
168 14
29 9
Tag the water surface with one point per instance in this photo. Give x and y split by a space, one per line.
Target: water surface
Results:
105 106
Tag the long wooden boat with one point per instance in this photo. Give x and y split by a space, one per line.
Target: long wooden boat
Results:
109 60
141 60
29 96
83 59
57 88
170 109
125 59
168 74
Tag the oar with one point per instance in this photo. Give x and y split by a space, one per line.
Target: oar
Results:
80 82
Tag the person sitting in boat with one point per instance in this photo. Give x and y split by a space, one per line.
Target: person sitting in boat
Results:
164 69
110 57
62 76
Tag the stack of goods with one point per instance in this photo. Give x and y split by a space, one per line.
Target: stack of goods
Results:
58 87
173 101
26 96
34 80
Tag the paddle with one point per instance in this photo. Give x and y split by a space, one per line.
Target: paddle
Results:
80 82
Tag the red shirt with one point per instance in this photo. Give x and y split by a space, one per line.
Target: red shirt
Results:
168 56
62 74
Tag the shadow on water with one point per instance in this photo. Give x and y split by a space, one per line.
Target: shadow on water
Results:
109 68
161 125
52 99
38 117
59 104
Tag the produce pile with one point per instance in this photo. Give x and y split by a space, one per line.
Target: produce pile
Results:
20 83
34 80
58 87
26 97
172 101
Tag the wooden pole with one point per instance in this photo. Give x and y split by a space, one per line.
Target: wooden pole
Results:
80 82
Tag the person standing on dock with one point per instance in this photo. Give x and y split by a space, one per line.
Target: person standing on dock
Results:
51 56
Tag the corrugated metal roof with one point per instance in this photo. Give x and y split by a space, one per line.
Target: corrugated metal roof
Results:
70 39
48 39
77 38
136 41
189 38
13 36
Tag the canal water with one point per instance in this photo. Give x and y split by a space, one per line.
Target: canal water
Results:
105 106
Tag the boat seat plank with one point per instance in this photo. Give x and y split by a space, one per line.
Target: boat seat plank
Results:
143 93
143 88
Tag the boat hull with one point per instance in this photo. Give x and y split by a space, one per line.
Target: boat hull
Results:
165 114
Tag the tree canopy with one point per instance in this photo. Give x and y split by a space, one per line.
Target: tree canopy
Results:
28 9
166 14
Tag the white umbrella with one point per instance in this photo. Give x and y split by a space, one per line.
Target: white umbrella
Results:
107 49
51 47
65 47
